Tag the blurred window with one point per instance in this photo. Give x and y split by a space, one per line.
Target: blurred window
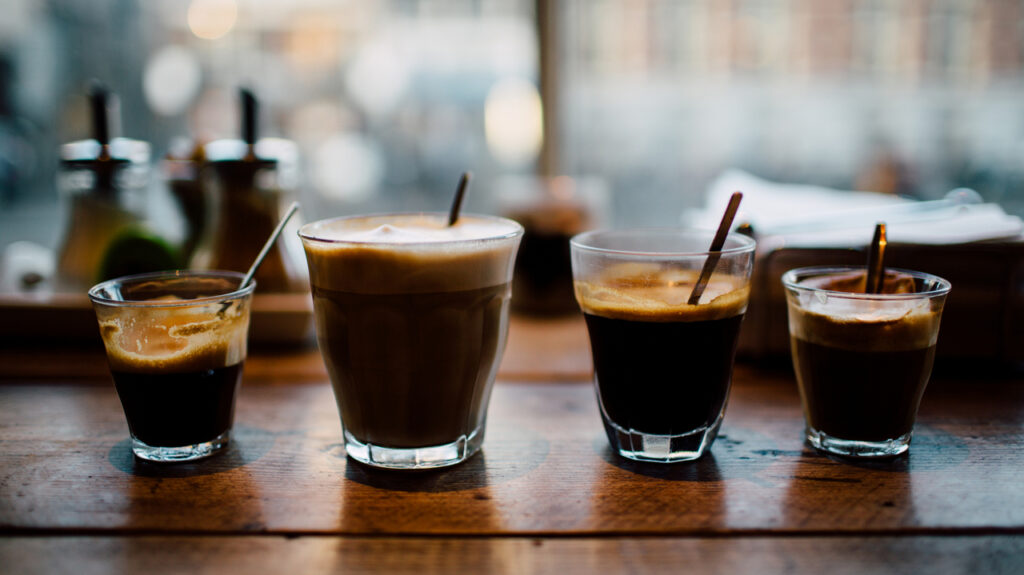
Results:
914 97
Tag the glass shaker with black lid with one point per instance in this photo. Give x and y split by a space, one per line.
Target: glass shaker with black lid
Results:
103 184
250 181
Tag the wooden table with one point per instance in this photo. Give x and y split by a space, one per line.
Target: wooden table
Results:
546 494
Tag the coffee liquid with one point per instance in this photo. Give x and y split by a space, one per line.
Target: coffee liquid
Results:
178 409
412 370
662 366
663 378
840 386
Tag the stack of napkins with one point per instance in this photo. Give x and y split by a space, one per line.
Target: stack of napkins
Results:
813 216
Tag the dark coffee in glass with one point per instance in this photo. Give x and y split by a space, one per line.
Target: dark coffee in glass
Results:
862 361
176 344
640 383
662 367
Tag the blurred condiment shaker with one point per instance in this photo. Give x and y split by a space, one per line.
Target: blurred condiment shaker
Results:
102 183
249 182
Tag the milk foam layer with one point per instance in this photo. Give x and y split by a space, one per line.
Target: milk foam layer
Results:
174 340
651 292
863 324
410 253
409 229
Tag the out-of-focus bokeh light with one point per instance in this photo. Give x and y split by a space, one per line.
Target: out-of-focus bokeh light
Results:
348 167
212 19
313 42
377 78
171 80
318 120
514 121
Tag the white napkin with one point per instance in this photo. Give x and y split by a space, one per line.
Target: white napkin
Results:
799 215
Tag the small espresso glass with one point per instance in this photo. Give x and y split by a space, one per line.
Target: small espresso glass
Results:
662 367
175 342
862 361
411 320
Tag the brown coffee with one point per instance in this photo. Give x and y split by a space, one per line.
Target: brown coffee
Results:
411 320
840 386
178 408
410 370
662 367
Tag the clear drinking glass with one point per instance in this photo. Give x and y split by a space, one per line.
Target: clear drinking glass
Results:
411 319
862 361
176 343
662 367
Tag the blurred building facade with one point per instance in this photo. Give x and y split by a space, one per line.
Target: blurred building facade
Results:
914 97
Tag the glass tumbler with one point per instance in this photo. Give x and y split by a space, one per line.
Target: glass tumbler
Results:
176 343
662 365
862 361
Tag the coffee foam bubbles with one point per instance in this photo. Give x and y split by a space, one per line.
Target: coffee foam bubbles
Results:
409 229
869 311
864 324
643 291
174 340
410 253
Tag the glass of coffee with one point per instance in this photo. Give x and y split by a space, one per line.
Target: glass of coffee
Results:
862 361
176 342
411 318
662 366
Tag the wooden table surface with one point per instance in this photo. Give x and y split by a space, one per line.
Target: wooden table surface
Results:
546 494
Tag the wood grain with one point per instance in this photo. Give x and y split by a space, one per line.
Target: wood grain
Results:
992 555
65 467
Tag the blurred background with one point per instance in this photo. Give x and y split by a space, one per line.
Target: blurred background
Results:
389 101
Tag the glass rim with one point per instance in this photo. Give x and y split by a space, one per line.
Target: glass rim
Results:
94 291
578 242
305 235
790 278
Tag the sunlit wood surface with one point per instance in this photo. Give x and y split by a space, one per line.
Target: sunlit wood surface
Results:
909 555
546 495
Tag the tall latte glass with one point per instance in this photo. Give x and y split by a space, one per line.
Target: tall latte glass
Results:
411 318
662 367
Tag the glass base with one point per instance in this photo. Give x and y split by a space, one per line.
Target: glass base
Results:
183 453
415 457
639 446
854 448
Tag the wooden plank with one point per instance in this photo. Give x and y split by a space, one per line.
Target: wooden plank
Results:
545 469
992 555
537 350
